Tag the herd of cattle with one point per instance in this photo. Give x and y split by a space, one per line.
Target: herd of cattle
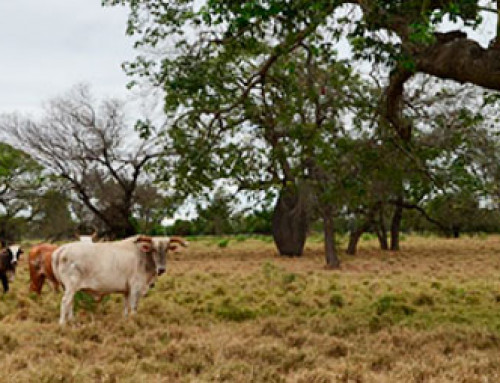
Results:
129 267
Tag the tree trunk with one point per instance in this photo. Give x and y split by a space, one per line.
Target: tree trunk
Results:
396 224
382 239
354 237
356 234
382 231
290 222
332 259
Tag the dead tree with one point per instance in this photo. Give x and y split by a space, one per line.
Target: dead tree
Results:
93 149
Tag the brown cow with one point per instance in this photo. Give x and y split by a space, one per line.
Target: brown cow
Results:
40 264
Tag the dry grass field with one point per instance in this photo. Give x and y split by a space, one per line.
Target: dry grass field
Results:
430 313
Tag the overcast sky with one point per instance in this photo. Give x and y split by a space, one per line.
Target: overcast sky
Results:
48 46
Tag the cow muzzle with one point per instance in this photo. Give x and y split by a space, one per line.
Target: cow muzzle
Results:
160 271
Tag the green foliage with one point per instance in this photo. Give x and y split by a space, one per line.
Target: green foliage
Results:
266 112
181 227
21 182
223 219
223 243
53 218
215 217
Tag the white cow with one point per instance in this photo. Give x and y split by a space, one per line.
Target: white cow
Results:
128 267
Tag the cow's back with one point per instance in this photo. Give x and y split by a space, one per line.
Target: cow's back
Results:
101 267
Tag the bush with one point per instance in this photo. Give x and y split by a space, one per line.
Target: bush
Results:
181 227
223 243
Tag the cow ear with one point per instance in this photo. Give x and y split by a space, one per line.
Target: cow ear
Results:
172 247
145 247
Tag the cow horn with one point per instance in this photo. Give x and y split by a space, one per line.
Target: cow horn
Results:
179 240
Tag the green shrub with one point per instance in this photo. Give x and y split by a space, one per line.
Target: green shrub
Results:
223 243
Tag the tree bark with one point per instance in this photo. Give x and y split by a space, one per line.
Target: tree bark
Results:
382 239
354 237
382 231
331 256
455 57
396 224
290 222
356 234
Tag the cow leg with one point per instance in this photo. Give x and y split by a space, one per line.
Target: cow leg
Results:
126 298
5 282
134 296
67 306
41 281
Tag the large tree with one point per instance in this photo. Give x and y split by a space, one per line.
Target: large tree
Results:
403 35
212 57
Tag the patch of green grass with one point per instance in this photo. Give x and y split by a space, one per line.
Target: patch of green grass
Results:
337 300
288 278
395 306
368 237
223 243
86 302
232 312
482 236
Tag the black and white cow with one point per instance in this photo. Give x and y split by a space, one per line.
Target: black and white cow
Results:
9 256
